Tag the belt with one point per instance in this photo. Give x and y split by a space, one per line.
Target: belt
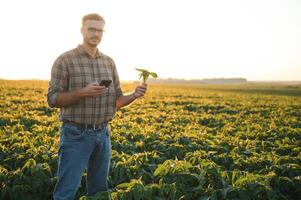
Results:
87 126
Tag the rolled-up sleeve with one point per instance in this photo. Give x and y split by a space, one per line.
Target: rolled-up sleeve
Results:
58 81
117 87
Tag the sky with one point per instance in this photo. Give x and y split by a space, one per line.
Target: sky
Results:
190 39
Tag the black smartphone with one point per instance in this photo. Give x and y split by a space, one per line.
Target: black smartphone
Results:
105 83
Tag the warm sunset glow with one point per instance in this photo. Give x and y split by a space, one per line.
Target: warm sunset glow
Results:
257 40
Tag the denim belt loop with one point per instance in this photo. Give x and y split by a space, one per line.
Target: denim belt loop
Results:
94 128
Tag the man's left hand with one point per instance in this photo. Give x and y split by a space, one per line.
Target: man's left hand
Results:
140 90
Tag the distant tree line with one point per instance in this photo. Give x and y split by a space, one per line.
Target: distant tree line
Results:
201 81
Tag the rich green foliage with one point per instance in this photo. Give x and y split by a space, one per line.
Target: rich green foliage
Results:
145 74
178 142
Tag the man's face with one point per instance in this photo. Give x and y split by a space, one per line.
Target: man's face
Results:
92 31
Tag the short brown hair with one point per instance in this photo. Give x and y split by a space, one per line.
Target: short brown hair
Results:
93 16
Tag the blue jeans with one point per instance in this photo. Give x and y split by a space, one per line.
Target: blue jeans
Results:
80 149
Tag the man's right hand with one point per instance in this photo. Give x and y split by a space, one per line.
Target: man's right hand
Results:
68 98
92 89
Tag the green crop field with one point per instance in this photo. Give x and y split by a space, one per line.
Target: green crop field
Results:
202 142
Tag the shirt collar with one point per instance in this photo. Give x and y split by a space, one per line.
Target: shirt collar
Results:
82 51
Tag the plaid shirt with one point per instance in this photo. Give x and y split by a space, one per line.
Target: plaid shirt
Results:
74 70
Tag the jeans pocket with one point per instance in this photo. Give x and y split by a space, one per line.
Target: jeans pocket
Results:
72 132
107 131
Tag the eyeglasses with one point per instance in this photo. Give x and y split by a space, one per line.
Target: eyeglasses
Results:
94 30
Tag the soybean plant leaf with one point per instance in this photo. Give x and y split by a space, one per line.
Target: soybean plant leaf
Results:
141 70
159 170
204 198
243 195
153 74
226 191
124 185
194 189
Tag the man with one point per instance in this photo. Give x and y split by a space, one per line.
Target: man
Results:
85 110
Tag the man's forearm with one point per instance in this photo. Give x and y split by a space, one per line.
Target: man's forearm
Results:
68 98
125 100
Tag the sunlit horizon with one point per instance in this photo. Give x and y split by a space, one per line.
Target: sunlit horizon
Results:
256 40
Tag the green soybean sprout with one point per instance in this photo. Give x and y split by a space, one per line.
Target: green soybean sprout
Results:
145 74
